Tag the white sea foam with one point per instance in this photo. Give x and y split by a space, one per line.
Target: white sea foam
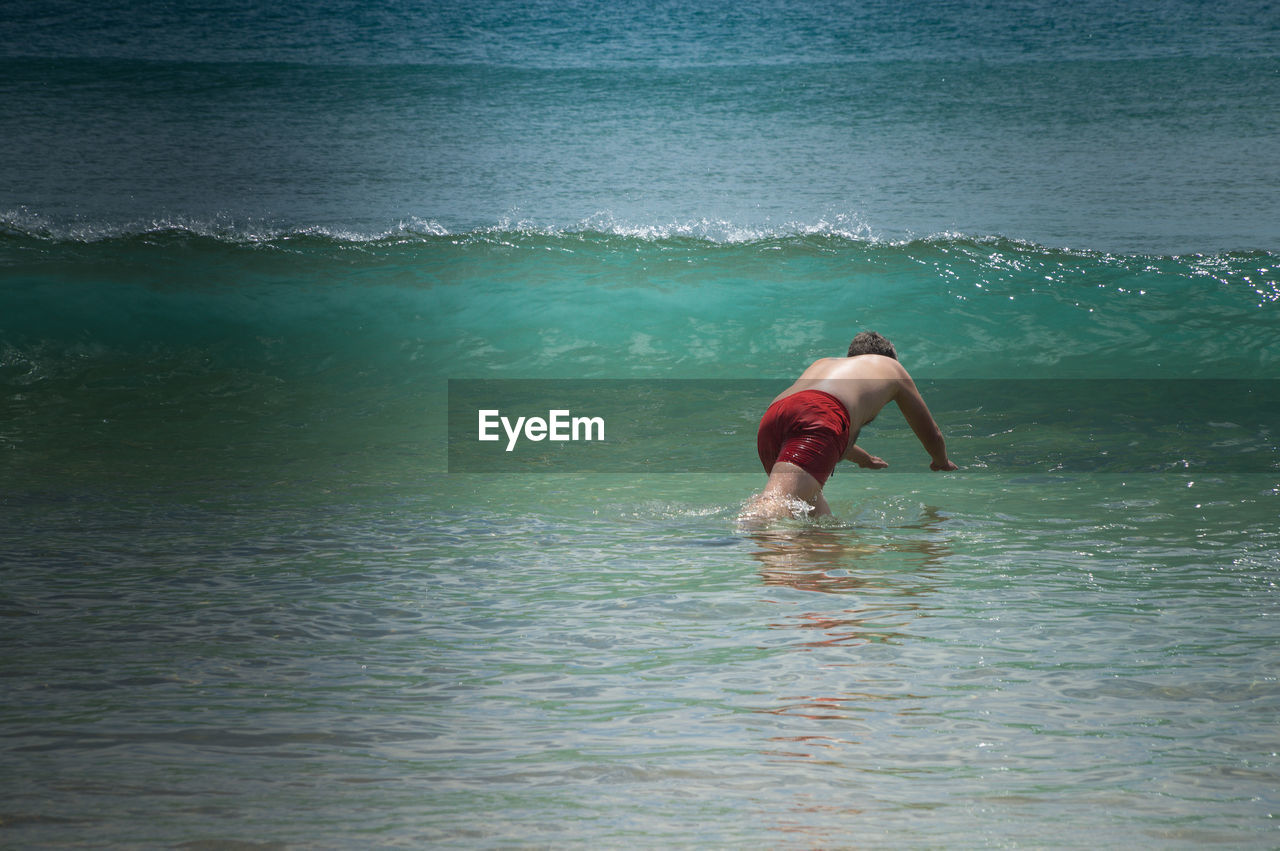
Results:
22 221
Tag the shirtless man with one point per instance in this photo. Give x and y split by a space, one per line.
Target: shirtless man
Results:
812 425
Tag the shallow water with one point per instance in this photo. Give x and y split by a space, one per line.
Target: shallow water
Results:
1086 658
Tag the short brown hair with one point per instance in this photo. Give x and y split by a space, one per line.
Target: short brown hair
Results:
871 343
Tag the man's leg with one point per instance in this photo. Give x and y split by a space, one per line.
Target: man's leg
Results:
787 483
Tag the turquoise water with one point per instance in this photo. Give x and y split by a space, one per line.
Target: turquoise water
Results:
528 666
257 266
244 600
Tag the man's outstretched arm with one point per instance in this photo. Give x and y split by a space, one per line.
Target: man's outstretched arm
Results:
916 412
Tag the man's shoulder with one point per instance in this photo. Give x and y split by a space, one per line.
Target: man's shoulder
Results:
823 365
858 366
873 366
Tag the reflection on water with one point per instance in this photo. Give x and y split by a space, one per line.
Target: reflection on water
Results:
837 558
881 572
854 594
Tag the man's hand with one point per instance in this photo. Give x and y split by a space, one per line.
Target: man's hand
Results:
863 458
943 466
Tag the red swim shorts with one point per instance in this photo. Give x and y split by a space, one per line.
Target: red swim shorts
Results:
809 429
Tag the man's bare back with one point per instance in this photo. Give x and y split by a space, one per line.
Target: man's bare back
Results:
863 383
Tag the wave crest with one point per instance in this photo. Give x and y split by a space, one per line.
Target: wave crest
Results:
831 232
22 223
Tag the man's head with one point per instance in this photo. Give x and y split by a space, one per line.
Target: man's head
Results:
871 343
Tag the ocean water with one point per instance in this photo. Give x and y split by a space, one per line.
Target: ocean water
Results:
261 585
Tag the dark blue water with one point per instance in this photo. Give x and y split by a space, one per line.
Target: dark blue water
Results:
1090 126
